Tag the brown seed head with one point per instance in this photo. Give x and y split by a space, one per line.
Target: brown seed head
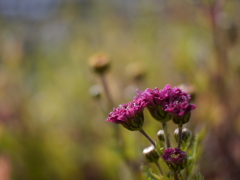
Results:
99 62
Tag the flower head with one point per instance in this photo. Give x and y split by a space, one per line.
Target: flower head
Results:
178 102
176 159
155 99
99 62
130 115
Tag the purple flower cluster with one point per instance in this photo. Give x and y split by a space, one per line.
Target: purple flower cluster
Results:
162 104
168 101
176 159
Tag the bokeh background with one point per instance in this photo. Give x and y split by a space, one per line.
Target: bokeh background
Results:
51 127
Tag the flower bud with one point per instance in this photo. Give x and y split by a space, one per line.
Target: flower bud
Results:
135 71
151 154
99 63
185 134
95 91
181 119
161 135
176 159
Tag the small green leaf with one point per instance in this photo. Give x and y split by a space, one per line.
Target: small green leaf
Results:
152 176
185 145
192 159
198 176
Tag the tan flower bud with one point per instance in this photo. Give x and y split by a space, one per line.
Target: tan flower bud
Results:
99 62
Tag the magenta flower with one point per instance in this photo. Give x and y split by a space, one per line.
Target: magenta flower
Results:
178 105
178 102
167 102
130 115
176 159
155 100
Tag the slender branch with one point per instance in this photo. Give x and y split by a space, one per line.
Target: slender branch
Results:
102 108
176 176
106 89
179 135
164 125
146 135
180 176
111 104
159 168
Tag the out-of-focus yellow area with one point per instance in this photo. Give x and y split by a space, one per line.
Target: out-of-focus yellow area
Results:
50 125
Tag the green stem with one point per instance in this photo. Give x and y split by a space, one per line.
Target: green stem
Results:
159 168
106 89
148 137
180 176
179 135
164 125
111 105
176 176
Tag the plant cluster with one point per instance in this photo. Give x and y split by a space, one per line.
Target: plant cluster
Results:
164 105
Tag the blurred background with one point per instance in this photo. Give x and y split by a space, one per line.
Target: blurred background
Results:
51 127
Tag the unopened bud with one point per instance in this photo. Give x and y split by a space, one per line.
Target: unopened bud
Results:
99 62
95 91
185 134
151 154
161 135
135 71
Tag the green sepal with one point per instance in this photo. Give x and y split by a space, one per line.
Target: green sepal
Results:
158 114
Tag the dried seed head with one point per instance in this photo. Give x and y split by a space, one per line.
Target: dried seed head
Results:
135 71
99 62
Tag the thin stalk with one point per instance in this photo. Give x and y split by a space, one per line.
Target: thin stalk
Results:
148 138
106 89
102 108
164 125
179 135
111 104
159 168
180 176
176 176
